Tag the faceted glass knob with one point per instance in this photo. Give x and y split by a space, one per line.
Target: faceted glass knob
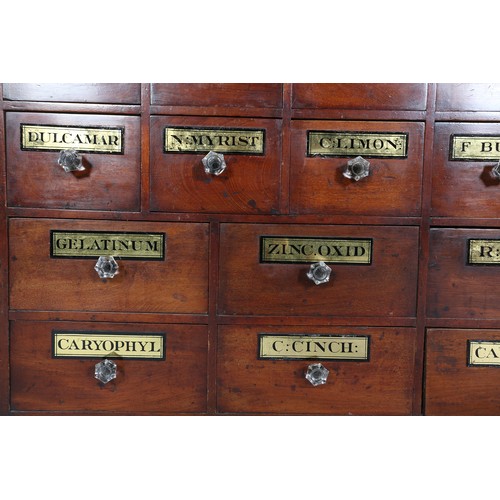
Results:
357 169
317 374
319 272
106 267
105 371
70 160
214 163
495 171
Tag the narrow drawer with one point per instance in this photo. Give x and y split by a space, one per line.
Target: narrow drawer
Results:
162 267
159 367
464 273
248 95
263 370
251 149
468 97
99 93
380 96
462 375
325 162
263 270
109 147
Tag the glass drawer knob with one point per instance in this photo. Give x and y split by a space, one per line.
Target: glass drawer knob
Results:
495 171
105 371
357 169
106 267
317 374
70 160
319 272
214 163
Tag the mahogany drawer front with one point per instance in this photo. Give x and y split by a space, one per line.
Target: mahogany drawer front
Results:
110 180
249 95
379 96
468 97
393 186
99 93
457 288
384 287
249 184
462 180
462 375
173 280
42 382
380 385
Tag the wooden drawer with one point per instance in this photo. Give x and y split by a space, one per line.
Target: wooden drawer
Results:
383 96
110 150
468 97
464 273
462 181
150 279
249 184
380 384
144 383
462 375
248 95
99 93
377 282
321 151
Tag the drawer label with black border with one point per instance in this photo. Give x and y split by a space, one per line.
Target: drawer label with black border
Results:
483 252
221 140
295 250
474 147
94 244
483 353
367 144
85 139
147 346
311 346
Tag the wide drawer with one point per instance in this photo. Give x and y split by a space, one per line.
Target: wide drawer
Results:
247 95
462 375
99 93
468 97
251 149
263 270
463 176
162 267
464 273
380 96
108 145
159 367
263 369
322 181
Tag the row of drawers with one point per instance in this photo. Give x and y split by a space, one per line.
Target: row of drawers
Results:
262 269
51 372
464 184
378 96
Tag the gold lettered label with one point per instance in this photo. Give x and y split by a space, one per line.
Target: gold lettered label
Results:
484 353
338 347
87 139
290 250
475 147
370 144
108 345
199 140
86 244
484 252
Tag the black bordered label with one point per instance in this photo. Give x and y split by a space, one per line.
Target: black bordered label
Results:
314 346
245 141
91 139
367 144
483 252
82 344
94 244
474 147
483 353
297 250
